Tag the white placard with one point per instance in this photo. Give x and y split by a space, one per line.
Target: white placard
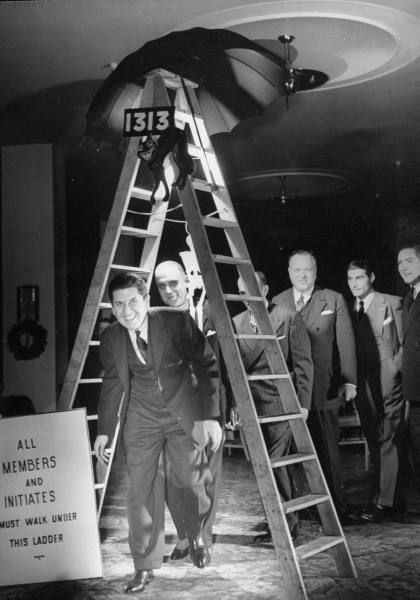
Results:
48 523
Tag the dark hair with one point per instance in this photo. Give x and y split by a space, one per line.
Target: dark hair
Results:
300 252
361 263
414 246
123 281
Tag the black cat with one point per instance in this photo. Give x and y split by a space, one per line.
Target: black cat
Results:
154 152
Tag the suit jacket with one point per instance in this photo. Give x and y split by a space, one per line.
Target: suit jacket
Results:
296 348
379 346
411 350
330 330
185 366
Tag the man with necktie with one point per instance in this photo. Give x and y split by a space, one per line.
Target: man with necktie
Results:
173 287
165 394
409 269
296 349
328 323
377 322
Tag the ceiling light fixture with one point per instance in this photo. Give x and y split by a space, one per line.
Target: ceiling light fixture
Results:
299 79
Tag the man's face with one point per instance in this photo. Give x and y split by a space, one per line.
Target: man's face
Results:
302 272
129 307
173 286
409 265
360 283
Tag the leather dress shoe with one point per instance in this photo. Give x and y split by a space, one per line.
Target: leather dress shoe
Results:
348 518
199 552
138 583
266 538
178 554
377 513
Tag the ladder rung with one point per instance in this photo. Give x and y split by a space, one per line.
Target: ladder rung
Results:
291 459
254 336
268 376
243 297
105 305
91 380
141 193
231 260
99 486
135 232
280 418
203 185
128 268
92 418
222 223
304 502
94 343
316 546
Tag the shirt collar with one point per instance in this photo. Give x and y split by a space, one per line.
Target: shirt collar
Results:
366 301
306 295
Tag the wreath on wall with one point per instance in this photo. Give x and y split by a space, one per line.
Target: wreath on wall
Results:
27 339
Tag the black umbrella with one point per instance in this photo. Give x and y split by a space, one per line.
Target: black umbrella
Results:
237 78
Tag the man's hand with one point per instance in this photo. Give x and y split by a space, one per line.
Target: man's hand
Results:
207 432
347 392
100 450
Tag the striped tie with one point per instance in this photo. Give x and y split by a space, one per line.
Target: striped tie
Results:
300 303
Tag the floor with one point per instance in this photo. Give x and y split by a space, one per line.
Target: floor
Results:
387 556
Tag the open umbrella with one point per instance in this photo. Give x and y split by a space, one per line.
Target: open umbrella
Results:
237 78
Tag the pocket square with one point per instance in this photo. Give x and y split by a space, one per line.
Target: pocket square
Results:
327 312
387 321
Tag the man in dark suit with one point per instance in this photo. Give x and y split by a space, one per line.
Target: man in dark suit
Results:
377 322
296 349
328 323
173 286
162 368
409 269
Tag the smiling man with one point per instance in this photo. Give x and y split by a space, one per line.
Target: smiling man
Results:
409 269
161 382
328 323
377 322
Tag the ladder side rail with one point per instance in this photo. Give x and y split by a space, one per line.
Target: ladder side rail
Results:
284 548
99 279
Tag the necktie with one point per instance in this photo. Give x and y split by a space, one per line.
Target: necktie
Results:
300 303
253 323
361 310
141 345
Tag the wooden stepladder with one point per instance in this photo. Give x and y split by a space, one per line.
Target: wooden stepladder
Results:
223 256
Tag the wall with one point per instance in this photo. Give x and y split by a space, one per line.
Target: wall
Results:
31 214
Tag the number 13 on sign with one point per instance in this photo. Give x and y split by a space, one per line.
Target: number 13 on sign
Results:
138 122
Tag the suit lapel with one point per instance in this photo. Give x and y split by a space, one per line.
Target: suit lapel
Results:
314 308
377 311
121 341
157 338
410 315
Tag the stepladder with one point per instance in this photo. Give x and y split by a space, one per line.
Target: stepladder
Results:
223 256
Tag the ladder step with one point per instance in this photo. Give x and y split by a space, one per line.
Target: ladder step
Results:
304 502
280 418
99 486
135 232
94 343
91 380
316 546
128 268
141 193
230 260
242 298
291 459
204 186
268 376
254 336
91 417
222 223
105 305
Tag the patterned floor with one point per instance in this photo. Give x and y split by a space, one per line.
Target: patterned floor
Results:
387 556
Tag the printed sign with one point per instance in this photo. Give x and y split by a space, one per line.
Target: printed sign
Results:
141 121
48 523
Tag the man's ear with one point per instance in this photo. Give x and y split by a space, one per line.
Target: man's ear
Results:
372 277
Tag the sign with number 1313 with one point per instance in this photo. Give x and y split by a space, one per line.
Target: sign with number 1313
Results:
140 121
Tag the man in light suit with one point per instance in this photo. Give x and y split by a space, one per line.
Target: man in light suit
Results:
328 323
296 349
173 286
162 368
409 269
377 322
